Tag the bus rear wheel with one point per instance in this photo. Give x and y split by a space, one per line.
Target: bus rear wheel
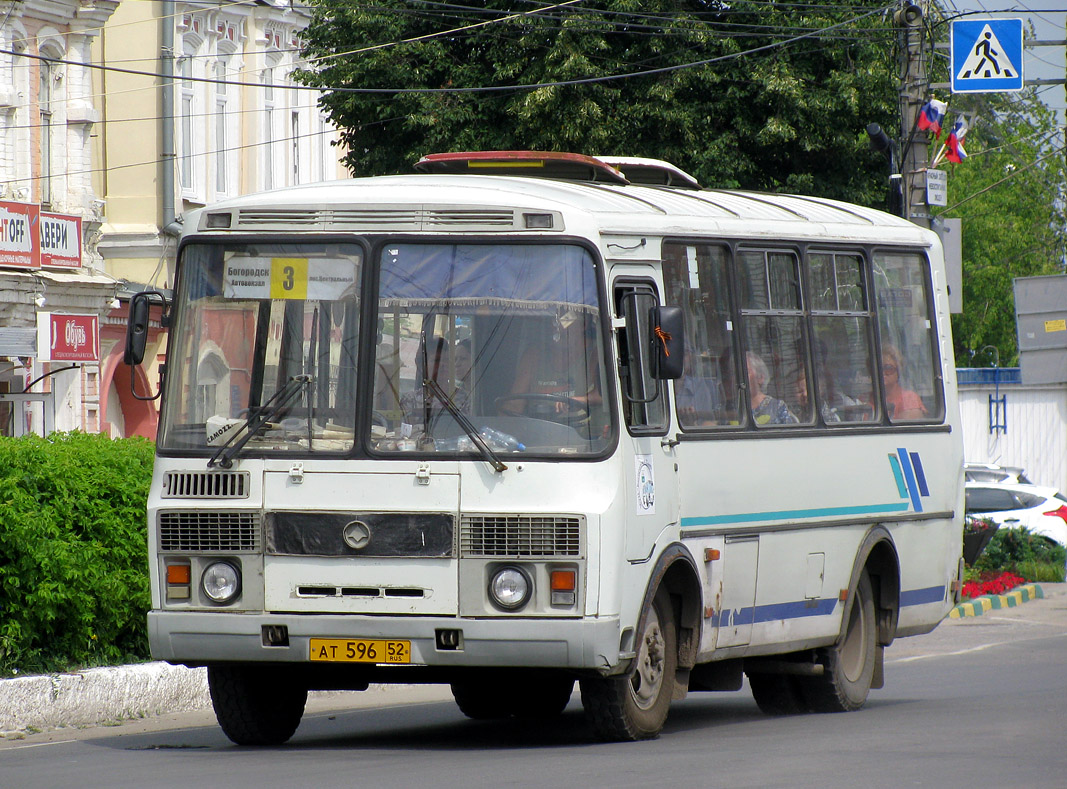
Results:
848 666
635 707
255 705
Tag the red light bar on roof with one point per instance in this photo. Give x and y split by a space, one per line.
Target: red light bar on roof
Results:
540 164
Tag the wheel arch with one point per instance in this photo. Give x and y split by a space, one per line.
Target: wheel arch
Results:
676 571
877 554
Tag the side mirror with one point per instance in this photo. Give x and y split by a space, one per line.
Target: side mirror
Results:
137 329
667 335
137 332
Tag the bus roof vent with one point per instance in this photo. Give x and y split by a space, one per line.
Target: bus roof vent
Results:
535 164
378 218
651 172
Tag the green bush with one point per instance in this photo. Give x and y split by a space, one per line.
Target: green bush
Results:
1020 551
73 551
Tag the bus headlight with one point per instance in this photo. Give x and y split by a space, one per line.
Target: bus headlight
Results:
221 582
510 588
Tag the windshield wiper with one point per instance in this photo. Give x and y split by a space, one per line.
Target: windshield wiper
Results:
468 427
224 455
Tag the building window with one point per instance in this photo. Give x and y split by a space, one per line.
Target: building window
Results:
44 103
221 139
185 112
268 128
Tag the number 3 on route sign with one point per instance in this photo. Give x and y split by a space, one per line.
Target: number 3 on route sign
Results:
987 55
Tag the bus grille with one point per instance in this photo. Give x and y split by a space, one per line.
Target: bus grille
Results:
209 531
205 485
520 535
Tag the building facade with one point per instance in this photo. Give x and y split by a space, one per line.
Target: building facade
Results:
54 291
198 105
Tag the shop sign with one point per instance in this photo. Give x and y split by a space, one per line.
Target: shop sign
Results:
61 240
71 338
19 235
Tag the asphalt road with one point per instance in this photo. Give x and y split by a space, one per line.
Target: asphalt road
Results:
978 703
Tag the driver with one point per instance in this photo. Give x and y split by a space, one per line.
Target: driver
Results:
565 371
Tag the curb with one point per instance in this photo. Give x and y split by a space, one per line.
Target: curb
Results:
992 602
98 695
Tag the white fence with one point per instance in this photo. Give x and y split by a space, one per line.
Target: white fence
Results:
1036 434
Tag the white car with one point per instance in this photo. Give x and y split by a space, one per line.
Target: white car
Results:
1041 510
990 472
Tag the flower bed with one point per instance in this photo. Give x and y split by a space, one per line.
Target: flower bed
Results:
999 584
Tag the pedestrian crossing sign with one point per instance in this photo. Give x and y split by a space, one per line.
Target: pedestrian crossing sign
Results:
987 55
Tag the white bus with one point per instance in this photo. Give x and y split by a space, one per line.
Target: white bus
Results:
524 419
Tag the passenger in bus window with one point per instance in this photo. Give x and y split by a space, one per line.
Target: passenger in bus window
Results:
902 404
803 399
697 397
766 410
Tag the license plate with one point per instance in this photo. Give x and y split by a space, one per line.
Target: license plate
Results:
360 650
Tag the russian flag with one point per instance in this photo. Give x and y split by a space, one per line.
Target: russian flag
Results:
931 115
954 143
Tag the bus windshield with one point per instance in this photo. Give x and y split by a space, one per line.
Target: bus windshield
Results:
263 348
501 341
504 340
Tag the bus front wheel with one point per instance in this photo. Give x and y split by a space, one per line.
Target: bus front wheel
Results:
255 705
848 666
635 707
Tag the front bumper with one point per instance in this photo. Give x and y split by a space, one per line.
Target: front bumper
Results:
197 638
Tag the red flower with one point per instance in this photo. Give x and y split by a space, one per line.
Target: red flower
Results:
1002 583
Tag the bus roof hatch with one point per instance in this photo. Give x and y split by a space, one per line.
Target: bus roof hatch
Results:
537 164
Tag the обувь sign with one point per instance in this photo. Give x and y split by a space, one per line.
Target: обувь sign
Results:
71 338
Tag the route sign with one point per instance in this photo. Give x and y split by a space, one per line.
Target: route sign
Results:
987 55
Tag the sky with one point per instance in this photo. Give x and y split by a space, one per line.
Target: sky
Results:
1047 17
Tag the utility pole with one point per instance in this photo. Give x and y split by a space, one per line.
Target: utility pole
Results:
913 87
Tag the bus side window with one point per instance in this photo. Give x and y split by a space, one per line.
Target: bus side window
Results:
776 342
910 383
695 279
843 343
643 397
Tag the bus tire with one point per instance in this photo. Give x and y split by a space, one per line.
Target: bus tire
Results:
542 698
481 701
529 698
255 705
777 694
848 666
634 707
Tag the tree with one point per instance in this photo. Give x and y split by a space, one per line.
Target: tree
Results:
760 113
1008 192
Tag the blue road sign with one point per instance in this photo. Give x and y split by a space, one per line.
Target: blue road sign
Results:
987 55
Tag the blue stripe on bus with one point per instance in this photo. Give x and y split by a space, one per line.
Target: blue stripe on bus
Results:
779 612
898 475
817 512
920 476
909 477
931 594
775 612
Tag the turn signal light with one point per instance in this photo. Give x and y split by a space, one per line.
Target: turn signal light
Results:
563 584
178 574
179 581
563 580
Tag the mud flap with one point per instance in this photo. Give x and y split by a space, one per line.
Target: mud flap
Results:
878 680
